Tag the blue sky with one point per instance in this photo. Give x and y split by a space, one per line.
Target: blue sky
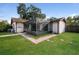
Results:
50 9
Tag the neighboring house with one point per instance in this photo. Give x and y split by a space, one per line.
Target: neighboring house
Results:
38 26
18 24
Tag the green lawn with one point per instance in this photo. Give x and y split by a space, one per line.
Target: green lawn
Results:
5 33
66 43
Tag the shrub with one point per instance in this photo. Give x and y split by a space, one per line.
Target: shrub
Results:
4 26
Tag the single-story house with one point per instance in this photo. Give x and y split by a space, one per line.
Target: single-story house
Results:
18 24
57 25
38 27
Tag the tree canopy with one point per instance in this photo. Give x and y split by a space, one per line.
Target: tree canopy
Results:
34 12
73 20
53 18
4 26
30 12
21 10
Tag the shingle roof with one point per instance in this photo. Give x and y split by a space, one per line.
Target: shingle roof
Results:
59 19
18 20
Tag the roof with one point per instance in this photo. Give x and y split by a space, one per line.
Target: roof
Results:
18 20
59 19
38 20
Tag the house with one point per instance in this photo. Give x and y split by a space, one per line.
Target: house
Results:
38 26
18 24
57 25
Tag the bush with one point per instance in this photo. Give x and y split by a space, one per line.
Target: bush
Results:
4 27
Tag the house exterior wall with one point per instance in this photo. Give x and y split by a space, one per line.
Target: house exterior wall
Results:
55 27
20 27
61 26
14 26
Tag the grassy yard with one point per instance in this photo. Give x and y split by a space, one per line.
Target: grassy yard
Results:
66 43
5 33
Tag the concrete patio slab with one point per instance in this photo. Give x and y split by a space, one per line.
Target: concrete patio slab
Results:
36 41
9 35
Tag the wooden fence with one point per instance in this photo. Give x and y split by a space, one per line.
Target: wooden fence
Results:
72 28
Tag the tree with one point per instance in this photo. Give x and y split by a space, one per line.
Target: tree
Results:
4 26
34 12
73 20
21 10
30 12
76 19
69 21
53 18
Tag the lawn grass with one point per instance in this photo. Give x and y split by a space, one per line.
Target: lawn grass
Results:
5 33
63 44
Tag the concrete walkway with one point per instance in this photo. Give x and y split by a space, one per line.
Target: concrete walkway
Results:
44 38
29 37
36 41
8 35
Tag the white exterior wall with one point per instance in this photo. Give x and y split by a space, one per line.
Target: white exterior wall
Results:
14 26
20 27
55 27
61 26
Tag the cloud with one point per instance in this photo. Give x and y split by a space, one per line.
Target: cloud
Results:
73 14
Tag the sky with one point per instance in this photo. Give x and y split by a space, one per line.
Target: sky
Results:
8 10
